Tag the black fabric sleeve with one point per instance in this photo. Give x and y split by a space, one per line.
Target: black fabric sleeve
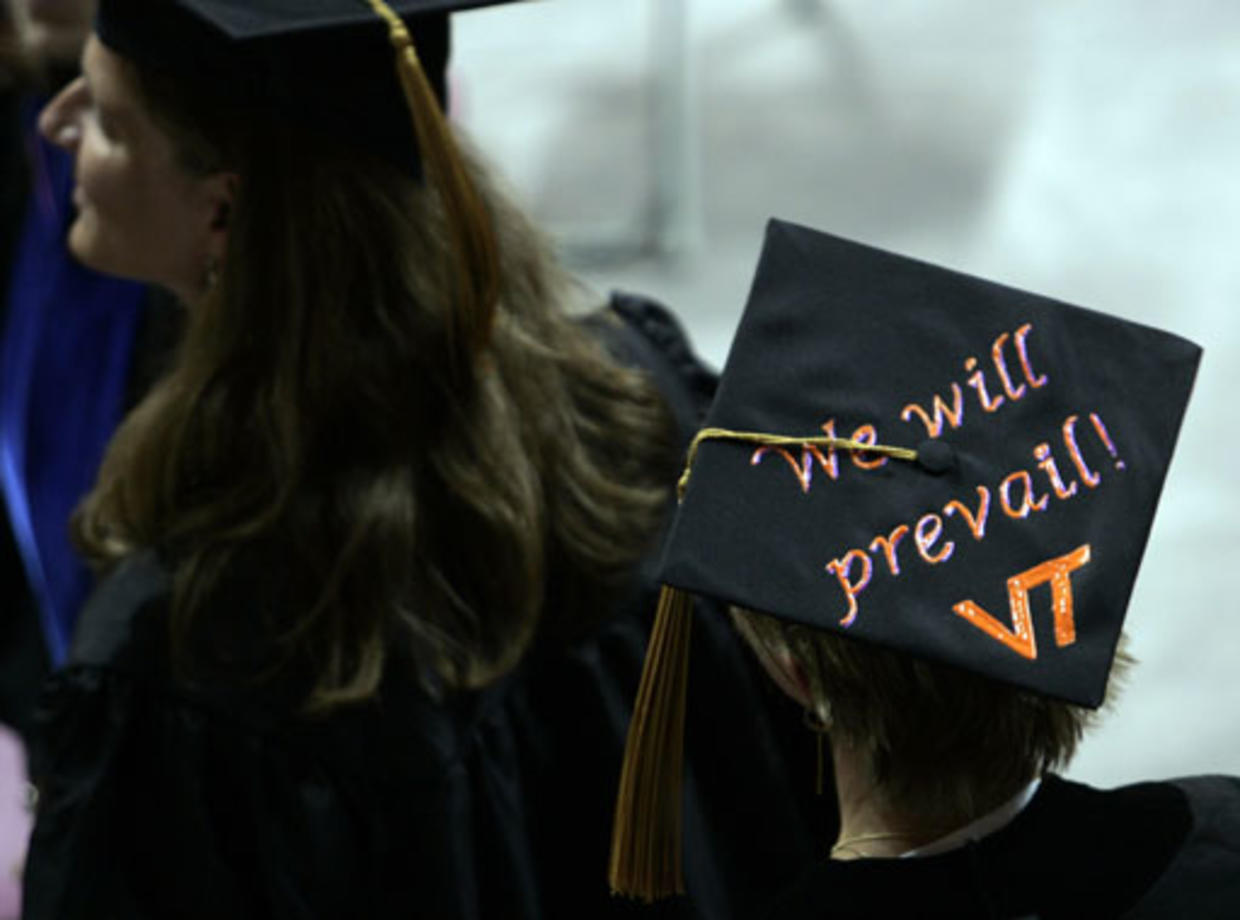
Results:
648 335
1203 879
155 802
154 806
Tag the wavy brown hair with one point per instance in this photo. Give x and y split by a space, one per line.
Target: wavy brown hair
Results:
331 478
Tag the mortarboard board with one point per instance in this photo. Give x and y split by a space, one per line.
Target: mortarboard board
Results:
917 458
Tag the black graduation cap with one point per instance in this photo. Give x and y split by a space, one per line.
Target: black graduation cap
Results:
918 458
326 65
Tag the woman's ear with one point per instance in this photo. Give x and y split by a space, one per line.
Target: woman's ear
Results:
777 660
221 191
787 672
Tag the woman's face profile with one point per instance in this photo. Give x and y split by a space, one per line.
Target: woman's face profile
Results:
140 214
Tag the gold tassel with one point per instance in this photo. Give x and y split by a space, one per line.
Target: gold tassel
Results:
647 833
469 225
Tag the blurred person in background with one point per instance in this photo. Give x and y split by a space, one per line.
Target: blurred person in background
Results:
77 348
375 548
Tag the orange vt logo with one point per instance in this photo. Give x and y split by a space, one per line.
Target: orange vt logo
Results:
1020 637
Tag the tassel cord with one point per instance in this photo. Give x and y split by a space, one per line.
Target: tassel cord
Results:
778 440
474 247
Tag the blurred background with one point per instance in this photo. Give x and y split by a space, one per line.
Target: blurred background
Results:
1087 151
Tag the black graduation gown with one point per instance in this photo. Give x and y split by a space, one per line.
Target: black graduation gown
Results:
1151 851
157 801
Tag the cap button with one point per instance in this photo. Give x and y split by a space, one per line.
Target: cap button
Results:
935 456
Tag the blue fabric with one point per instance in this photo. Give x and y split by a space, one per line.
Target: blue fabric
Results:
64 364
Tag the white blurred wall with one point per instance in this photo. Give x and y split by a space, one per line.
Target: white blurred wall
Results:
1086 151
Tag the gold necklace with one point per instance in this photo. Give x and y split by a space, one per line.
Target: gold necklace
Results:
850 843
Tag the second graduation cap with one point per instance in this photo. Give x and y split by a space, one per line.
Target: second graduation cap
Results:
1017 449
1010 545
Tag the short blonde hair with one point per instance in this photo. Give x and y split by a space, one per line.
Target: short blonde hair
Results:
940 742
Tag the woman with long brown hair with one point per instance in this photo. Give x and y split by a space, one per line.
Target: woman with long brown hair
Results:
367 631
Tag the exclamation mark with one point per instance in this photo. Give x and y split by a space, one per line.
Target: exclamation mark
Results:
1106 440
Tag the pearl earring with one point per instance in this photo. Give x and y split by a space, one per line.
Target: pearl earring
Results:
211 276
